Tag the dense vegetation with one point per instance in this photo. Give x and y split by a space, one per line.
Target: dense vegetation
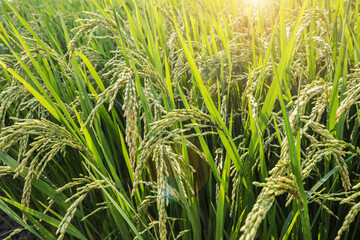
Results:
180 119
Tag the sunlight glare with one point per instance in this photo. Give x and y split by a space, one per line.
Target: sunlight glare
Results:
256 3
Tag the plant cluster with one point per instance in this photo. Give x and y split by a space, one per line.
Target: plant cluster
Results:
180 119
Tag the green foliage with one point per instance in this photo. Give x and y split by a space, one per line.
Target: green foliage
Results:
208 119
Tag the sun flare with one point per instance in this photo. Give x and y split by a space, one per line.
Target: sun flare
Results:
256 3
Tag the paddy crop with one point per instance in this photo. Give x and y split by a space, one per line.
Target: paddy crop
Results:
180 119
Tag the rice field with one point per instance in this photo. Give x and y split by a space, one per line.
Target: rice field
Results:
180 119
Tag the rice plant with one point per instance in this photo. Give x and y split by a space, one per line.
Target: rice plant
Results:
180 119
